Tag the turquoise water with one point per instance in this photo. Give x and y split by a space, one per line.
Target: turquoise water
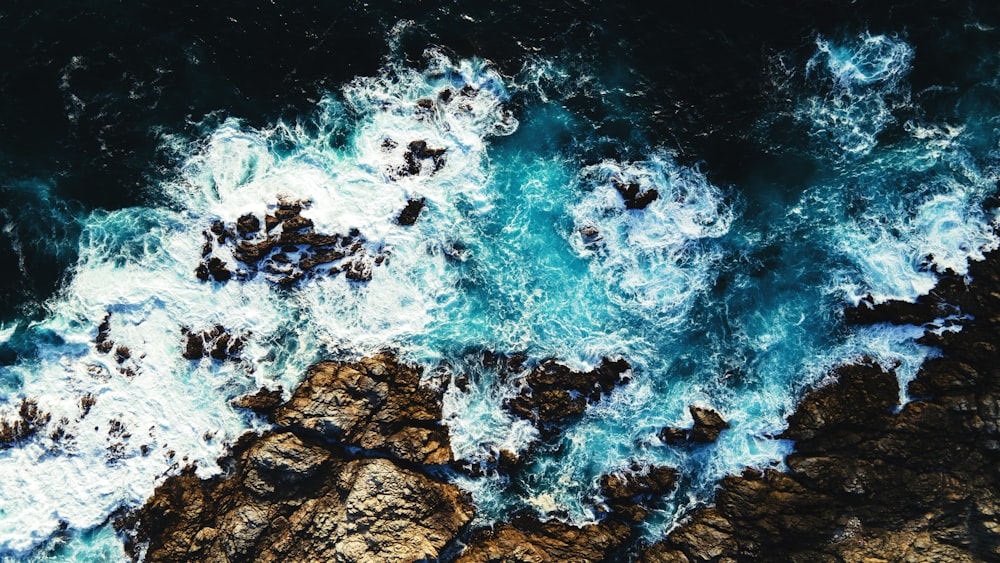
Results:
728 296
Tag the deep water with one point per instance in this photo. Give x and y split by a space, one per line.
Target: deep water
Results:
806 158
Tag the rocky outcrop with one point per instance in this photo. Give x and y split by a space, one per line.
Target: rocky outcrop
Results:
28 421
264 402
868 483
286 250
633 194
411 212
376 404
708 424
216 343
553 395
296 494
291 499
526 540
631 494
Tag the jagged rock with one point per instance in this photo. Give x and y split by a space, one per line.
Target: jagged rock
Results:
411 212
216 343
867 482
386 513
553 395
633 195
103 341
29 421
285 257
632 493
295 495
418 151
265 401
708 424
281 460
247 224
376 403
529 541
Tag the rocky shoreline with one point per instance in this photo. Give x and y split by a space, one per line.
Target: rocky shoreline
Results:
356 466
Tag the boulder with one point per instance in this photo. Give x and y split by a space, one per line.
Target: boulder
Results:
528 540
376 403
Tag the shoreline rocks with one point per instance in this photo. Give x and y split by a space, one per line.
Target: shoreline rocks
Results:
869 481
299 493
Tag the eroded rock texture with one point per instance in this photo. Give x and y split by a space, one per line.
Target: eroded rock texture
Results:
867 483
295 494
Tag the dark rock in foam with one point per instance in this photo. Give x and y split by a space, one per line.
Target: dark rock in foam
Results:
411 212
294 253
554 395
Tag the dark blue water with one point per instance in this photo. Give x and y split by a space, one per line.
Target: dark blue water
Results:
805 158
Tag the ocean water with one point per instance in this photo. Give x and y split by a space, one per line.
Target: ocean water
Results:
865 164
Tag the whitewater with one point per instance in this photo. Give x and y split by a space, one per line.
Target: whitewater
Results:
728 297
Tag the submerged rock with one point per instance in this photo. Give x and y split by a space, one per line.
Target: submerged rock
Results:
554 395
869 481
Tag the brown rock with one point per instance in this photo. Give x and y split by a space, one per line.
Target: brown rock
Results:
530 541
708 424
265 401
868 483
632 493
376 403
292 495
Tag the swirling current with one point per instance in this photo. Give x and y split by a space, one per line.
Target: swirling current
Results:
802 162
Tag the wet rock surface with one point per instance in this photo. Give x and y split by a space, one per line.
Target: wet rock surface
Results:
216 343
296 494
633 194
868 483
375 404
286 250
527 540
553 395
708 424
28 421
631 494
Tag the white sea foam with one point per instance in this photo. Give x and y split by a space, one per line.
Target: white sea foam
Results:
863 83
653 257
155 411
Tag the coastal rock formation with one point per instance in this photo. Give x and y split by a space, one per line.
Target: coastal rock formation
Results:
286 250
708 424
868 483
631 494
29 421
295 494
291 500
216 343
553 395
376 404
526 540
